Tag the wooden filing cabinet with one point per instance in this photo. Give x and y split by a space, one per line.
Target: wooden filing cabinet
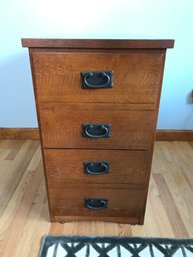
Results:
97 104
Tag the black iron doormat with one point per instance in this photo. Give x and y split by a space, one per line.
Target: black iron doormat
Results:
94 246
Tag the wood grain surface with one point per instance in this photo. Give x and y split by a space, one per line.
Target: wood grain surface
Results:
61 126
19 133
161 134
98 43
24 216
136 76
174 135
122 202
63 166
64 107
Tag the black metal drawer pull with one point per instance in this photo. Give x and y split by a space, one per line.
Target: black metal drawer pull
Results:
96 168
95 203
96 130
97 79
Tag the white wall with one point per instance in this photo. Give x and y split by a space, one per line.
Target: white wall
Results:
89 19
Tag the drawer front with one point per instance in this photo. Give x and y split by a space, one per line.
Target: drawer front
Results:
136 76
63 126
79 201
92 166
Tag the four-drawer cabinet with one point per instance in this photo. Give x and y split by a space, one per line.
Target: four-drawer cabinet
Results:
97 103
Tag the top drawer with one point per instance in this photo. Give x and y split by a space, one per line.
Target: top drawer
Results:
137 75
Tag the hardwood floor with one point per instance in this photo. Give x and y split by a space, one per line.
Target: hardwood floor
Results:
23 203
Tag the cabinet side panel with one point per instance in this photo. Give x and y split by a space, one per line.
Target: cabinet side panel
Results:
39 124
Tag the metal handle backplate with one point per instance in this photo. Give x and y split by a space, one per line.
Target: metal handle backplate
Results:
97 79
96 168
96 130
95 203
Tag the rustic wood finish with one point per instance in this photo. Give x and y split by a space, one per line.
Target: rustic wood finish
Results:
61 126
57 76
125 166
130 107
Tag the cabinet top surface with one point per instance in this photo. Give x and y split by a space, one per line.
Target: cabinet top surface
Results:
99 43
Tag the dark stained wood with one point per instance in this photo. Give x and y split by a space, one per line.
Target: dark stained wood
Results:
63 166
99 43
136 76
61 126
122 202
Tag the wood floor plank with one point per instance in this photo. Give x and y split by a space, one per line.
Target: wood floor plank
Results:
4 149
16 209
125 230
24 241
90 228
15 226
16 171
11 200
24 217
150 216
5 174
176 221
160 215
179 178
42 228
15 146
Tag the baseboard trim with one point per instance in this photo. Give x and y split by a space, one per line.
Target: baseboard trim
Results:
19 133
33 134
174 135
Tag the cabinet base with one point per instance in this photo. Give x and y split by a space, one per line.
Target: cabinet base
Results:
126 220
